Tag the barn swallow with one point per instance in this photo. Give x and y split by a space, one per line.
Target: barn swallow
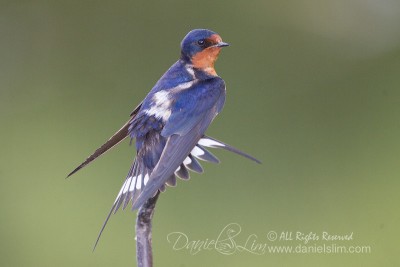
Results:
169 124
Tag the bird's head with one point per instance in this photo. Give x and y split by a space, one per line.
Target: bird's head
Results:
201 48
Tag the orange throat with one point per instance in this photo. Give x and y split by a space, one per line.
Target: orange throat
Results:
205 60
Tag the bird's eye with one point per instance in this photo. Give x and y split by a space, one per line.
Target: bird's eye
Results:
201 42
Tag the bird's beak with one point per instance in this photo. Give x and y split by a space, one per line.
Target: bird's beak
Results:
221 44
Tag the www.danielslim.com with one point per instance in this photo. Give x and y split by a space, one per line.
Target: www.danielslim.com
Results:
317 249
230 248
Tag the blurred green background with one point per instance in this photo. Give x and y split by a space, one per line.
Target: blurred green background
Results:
313 91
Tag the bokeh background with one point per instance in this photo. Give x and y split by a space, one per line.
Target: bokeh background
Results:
313 92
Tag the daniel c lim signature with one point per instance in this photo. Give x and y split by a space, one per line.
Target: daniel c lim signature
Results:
228 243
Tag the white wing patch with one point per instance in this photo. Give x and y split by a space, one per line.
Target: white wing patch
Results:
146 178
190 70
161 109
138 182
131 183
210 143
187 161
183 86
125 187
196 151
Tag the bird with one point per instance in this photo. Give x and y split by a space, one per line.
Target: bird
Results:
169 125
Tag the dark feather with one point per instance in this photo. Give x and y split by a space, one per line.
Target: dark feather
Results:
183 173
171 180
120 135
194 165
207 155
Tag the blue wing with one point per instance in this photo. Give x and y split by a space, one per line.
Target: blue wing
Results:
190 105
192 112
